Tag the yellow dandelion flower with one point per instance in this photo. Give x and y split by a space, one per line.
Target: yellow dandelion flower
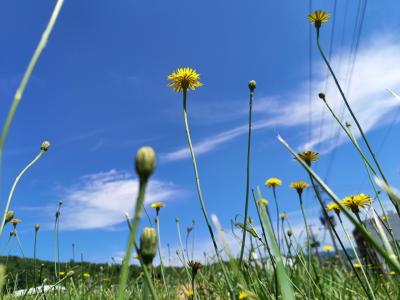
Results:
355 202
61 274
243 295
333 207
273 182
282 216
318 17
157 205
86 275
184 79
357 266
299 186
189 293
263 202
15 221
309 156
328 248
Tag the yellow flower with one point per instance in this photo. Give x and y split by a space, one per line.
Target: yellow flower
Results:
273 182
243 295
263 201
15 221
61 274
357 266
189 292
282 216
299 186
309 156
333 207
157 205
328 248
86 275
354 202
318 17
393 273
184 79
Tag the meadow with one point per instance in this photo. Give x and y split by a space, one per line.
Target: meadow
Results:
272 262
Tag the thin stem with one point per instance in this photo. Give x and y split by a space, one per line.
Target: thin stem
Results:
28 72
182 250
246 207
14 186
34 259
159 251
203 208
277 216
132 242
352 113
308 241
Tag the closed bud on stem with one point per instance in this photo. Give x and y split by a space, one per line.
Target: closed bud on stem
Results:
148 245
252 85
322 96
37 227
9 216
45 146
145 162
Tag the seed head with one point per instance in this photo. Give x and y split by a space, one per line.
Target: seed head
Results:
145 162
252 85
45 146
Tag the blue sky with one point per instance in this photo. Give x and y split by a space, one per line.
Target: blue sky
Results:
100 92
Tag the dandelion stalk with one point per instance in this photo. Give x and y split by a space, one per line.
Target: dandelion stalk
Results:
181 81
43 148
181 244
27 75
159 251
145 164
351 111
252 86
37 227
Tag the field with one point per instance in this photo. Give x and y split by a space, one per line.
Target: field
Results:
271 260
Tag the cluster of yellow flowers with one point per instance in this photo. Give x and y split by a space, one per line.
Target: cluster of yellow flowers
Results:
352 202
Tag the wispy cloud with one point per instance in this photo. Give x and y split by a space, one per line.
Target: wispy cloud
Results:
100 200
377 69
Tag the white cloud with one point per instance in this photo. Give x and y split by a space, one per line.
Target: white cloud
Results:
377 69
101 199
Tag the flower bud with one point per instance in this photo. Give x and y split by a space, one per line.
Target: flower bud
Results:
45 146
148 245
37 227
9 216
252 85
145 162
289 233
321 96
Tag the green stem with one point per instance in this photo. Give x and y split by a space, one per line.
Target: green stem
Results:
352 113
182 250
14 186
28 72
203 208
132 241
308 241
159 252
356 255
246 207
34 259
277 216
